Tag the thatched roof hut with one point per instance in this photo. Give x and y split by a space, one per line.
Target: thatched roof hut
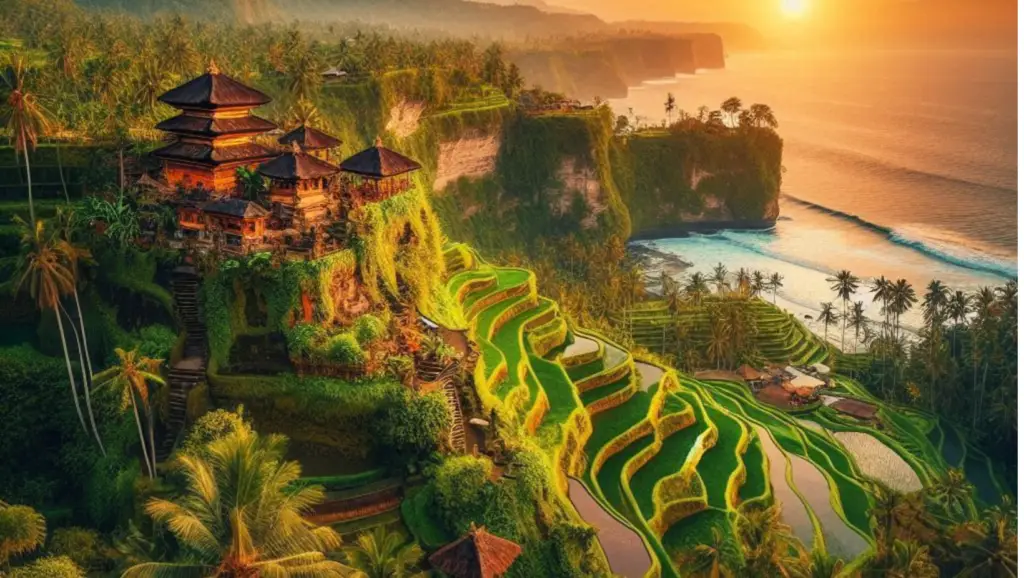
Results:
478 554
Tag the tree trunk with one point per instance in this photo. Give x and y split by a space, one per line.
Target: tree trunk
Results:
142 437
71 374
152 443
32 206
64 185
86 382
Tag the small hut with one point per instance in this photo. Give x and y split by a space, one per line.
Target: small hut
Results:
312 141
299 186
478 554
753 377
378 173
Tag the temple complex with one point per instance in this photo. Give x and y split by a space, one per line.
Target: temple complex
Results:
213 135
306 193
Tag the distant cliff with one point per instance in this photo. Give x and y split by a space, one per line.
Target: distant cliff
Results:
608 66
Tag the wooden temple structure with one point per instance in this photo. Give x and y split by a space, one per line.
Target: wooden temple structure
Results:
215 135
478 554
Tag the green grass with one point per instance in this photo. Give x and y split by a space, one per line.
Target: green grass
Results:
610 424
584 370
561 395
754 461
591 395
699 529
417 512
509 339
609 477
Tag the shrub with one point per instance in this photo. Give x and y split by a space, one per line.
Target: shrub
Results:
82 545
52 567
344 348
462 490
304 339
368 328
22 530
156 341
410 426
213 426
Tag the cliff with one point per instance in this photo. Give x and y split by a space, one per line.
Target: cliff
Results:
608 66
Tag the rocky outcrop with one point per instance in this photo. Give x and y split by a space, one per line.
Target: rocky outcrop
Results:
578 178
405 118
473 156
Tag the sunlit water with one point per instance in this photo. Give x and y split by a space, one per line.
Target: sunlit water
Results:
900 164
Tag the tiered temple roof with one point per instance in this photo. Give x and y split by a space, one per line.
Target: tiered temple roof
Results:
379 162
310 139
297 165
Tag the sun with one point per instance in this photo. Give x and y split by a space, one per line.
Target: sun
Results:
794 8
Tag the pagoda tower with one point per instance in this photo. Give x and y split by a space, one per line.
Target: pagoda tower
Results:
213 135
299 186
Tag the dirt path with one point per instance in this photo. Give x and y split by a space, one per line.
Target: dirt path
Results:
626 553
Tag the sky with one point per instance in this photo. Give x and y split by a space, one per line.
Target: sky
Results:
853 18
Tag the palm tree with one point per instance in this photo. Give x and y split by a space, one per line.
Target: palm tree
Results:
910 560
988 548
718 342
984 306
721 278
383 554
845 284
858 321
732 107
768 544
708 560
775 283
763 116
44 268
23 116
901 300
957 310
670 106
22 530
696 287
881 289
936 300
743 281
241 515
827 316
953 493
131 378
758 283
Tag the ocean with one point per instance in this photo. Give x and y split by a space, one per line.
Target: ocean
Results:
897 163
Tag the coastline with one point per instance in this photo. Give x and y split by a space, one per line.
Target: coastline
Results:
684 229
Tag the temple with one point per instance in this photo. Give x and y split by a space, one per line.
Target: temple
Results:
213 135
291 197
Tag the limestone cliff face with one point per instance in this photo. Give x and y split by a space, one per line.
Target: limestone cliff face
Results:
578 180
473 155
404 118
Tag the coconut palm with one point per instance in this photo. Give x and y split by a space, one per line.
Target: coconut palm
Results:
775 283
769 547
43 270
845 284
908 559
718 342
383 554
824 565
985 313
901 300
758 283
720 275
22 530
670 106
696 287
827 315
763 116
881 289
708 560
953 493
743 281
988 548
23 115
859 321
241 515
936 300
131 377
732 107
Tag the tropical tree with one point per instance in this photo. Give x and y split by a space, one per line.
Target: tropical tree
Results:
957 310
909 559
758 283
769 547
859 321
775 283
763 116
44 271
383 554
953 493
901 300
845 284
241 515
696 287
989 547
23 116
670 106
732 106
708 560
131 378
824 565
743 281
22 530
718 341
935 303
827 315
720 275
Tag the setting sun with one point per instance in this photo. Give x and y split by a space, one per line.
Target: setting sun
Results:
794 8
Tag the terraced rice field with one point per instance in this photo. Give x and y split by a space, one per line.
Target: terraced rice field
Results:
818 468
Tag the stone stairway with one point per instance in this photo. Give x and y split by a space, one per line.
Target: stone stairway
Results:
190 370
456 435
